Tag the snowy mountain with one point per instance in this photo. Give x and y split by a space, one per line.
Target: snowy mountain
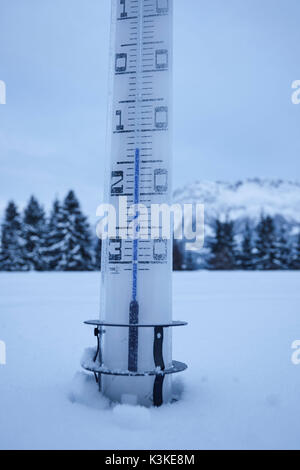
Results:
245 201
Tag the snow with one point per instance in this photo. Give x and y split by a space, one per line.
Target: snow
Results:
241 389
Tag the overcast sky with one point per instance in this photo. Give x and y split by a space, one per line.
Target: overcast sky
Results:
235 61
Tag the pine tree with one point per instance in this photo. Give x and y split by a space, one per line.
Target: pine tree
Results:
223 247
265 257
177 256
76 247
34 235
283 251
246 254
295 255
52 251
11 253
190 261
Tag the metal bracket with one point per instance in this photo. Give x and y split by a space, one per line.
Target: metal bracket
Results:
158 390
160 371
159 362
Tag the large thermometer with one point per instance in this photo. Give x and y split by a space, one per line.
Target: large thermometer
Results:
135 361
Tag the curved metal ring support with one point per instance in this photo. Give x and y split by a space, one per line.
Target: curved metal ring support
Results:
128 325
176 368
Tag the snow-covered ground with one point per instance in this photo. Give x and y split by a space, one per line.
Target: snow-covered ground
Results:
241 390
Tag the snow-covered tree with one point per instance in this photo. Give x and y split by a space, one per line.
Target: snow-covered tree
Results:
34 233
283 251
223 247
295 255
76 246
265 255
11 252
245 258
52 251
178 257
190 261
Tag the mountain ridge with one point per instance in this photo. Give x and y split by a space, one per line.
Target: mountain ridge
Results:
245 201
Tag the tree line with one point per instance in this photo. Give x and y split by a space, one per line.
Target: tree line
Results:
264 247
62 241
